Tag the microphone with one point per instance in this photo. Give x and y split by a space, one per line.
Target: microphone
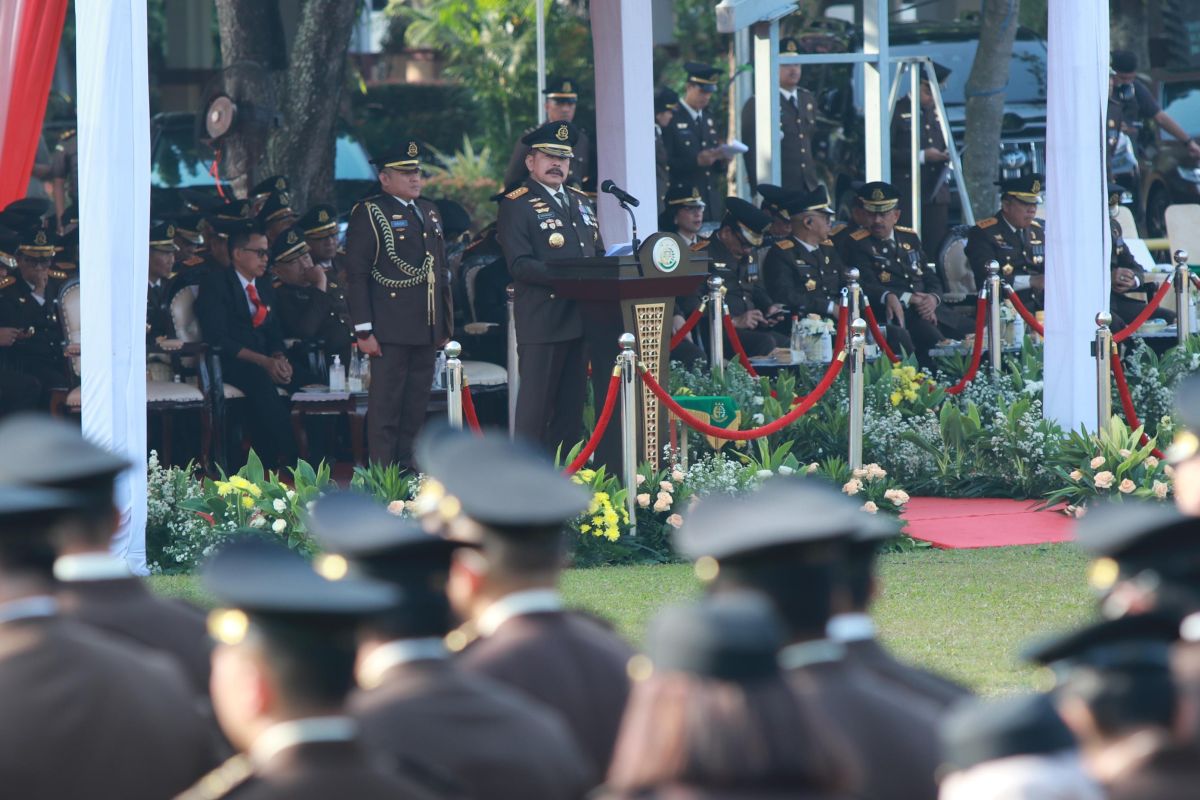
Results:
619 193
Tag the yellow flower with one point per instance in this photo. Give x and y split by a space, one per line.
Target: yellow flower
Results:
255 490
240 483
223 487
584 528
896 397
910 395
247 502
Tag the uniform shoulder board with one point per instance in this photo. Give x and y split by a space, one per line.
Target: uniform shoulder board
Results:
827 242
860 234
7 281
66 266
276 284
903 229
1037 223
785 244
581 191
841 226
65 135
517 192
700 245
221 781
193 261
58 274
986 223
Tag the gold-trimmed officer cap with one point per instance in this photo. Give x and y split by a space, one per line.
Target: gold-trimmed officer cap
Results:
37 243
162 237
46 451
187 227
665 99
278 206
406 157
1129 537
684 196
750 222
275 183
1027 188
553 138
773 200
804 202
319 222
234 210
702 75
562 90
288 246
878 196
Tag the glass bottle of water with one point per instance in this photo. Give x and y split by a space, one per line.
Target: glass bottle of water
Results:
797 342
354 382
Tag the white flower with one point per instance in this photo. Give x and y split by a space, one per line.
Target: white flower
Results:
1097 462
870 507
643 500
677 475
396 507
675 520
1104 480
640 479
310 505
811 468
1126 486
1160 489
1075 475
1123 452
757 400
758 419
258 521
291 495
786 470
279 525
852 486
763 473
280 505
1151 462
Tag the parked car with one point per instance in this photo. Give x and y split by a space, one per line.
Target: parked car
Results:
1166 173
179 161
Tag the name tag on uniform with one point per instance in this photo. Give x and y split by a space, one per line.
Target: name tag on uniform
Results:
399 223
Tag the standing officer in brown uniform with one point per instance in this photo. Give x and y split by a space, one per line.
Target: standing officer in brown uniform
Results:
414 701
933 160
399 294
562 99
797 124
82 714
513 503
1014 239
540 222
691 139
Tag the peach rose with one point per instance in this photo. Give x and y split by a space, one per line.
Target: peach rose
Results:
897 496
853 486
870 507
643 500
1151 462
1104 480
1097 462
675 520
1160 489
1075 475
1126 486
396 507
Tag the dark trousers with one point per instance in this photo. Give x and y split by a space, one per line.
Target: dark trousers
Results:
935 223
401 379
551 395
1128 308
268 416
18 391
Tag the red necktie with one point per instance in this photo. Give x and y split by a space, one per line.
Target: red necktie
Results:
260 308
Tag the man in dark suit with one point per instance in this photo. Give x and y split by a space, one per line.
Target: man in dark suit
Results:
540 222
1014 239
234 309
901 287
95 587
513 503
311 307
282 667
82 714
158 300
399 292
561 99
797 124
933 161
692 142
413 700
29 313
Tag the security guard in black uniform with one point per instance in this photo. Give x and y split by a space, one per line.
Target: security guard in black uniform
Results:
562 97
895 276
158 299
797 124
692 141
933 158
539 222
311 307
29 303
1014 239
399 293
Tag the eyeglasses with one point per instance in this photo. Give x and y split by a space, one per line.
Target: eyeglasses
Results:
261 252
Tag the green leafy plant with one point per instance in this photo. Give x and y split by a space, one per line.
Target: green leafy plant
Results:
1112 464
387 482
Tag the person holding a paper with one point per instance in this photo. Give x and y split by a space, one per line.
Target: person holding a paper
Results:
694 153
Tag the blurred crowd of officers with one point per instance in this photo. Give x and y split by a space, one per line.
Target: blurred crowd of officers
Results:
430 653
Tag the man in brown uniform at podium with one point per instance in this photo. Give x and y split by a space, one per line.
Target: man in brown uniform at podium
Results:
542 221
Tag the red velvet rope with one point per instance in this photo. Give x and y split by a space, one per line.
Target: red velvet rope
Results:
731 332
879 338
977 350
687 326
1131 417
1141 318
840 342
1029 318
797 411
469 407
610 403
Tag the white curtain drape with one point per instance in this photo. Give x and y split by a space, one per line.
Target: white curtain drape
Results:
1077 231
114 217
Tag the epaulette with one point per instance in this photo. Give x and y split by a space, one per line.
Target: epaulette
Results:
58 274
7 281
275 284
194 261
171 277
700 245
1036 223
517 192
986 223
67 134
860 234
827 242
66 266
903 229
785 244
841 226
582 192
221 781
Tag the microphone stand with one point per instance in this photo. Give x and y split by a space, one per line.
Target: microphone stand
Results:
633 222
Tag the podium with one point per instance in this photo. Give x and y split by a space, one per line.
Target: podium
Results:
631 294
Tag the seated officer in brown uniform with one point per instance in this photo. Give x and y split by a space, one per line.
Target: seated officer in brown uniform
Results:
276 215
684 213
1014 239
29 306
188 237
896 280
82 714
414 701
758 542
730 250
1127 274
320 226
398 286
310 308
163 251
773 198
540 222
513 503
282 668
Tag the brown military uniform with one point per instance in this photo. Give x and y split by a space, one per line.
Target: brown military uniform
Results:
797 125
1019 254
578 176
399 284
684 138
935 177
310 315
807 282
39 351
741 295
496 742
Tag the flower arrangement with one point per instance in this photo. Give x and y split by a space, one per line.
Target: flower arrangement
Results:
1113 465
911 388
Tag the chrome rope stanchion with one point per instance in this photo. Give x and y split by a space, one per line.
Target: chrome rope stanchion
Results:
514 375
454 384
855 293
858 341
995 340
1183 297
1103 352
629 425
716 329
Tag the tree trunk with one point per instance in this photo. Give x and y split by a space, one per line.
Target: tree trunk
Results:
985 93
1130 29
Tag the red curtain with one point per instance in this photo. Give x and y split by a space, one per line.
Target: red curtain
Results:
39 32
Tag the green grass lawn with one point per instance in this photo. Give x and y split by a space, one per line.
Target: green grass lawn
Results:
962 612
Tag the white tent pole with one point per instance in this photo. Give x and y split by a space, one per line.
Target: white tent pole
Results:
541 59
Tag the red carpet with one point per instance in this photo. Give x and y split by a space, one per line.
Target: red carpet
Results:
984 522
